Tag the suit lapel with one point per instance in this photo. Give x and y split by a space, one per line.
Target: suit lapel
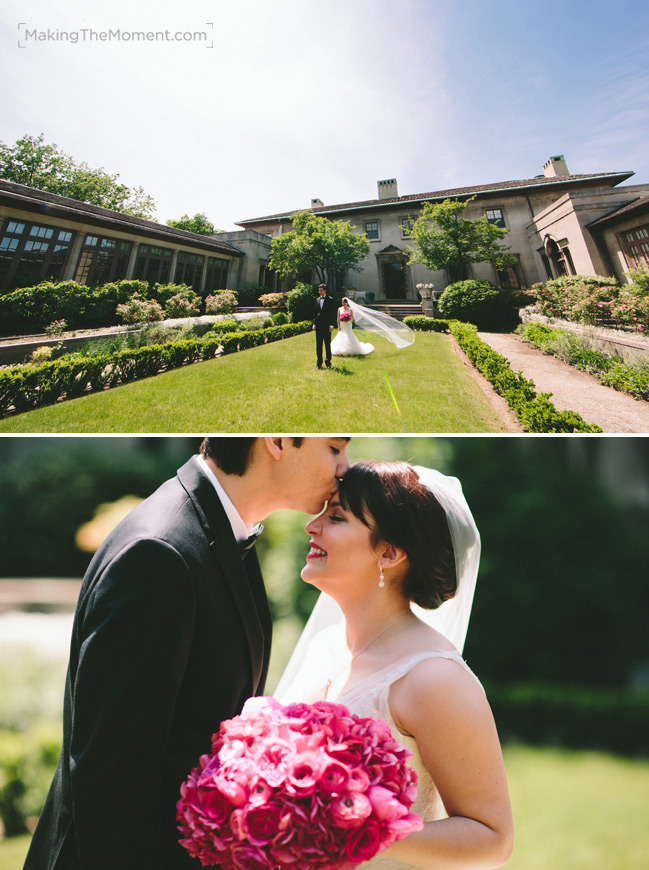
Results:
227 556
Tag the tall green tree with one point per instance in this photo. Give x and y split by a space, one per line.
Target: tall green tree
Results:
197 224
38 164
445 239
319 244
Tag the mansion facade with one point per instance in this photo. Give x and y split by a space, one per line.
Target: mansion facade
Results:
556 224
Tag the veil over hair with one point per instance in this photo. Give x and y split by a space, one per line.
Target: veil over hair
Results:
376 321
451 618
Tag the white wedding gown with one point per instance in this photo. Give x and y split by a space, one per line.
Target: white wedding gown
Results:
346 344
370 697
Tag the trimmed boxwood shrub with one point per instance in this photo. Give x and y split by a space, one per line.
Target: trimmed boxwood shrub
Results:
24 387
534 412
479 302
426 324
300 302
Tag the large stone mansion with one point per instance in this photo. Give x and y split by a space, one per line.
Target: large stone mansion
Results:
556 223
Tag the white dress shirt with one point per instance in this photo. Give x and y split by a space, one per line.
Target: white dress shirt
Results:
239 529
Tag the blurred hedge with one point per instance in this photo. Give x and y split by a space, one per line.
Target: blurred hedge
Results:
612 720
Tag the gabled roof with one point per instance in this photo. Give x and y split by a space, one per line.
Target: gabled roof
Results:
561 182
637 207
54 205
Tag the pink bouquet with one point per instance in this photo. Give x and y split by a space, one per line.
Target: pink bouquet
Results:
345 315
304 787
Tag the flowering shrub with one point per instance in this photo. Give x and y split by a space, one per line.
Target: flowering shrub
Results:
138 310
56 327
307 785
222 302
273 300
183 304
594 300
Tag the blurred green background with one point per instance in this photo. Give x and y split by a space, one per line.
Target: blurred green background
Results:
558 632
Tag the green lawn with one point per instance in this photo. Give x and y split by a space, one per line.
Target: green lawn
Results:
573 811
578 810
276 388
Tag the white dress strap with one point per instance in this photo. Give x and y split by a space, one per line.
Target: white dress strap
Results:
371 697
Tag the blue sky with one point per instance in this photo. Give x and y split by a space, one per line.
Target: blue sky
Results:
321 98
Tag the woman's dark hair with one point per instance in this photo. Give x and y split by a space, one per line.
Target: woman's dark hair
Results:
397 508
232 455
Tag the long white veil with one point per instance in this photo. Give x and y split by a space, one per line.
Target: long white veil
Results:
376 321
452 617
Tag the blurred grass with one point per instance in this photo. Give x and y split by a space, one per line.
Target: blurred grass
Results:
578 810
573 811
275 388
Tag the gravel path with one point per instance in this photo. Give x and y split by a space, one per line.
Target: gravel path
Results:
571 389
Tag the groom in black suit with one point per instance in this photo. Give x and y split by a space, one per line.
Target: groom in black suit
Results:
171 635
324 320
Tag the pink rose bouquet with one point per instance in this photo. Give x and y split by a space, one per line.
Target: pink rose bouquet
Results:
303 787
345 315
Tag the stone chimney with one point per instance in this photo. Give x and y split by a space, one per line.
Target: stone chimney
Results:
316 203
388 188
555 166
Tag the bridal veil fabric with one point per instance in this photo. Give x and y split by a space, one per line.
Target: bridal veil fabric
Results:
376 321
452 618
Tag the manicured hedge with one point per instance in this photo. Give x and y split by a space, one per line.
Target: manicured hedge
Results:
534 411
25 387
426 324
605 719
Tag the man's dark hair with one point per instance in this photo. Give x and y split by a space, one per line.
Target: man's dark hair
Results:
322 287
232 455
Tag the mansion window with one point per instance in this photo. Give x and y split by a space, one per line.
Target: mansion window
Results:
189 270
30 253
102 260
495 216
267 278
372 230
511 276
636 246
216 277
406 226
153 265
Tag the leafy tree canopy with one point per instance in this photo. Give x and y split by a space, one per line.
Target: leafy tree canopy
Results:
197 224
33 162
317 243
444 239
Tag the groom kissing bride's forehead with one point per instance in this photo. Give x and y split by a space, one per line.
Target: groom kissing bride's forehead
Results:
278 472
171 635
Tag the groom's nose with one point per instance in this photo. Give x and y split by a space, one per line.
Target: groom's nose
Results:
342 466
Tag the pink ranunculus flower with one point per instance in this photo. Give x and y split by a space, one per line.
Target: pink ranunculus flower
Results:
351 809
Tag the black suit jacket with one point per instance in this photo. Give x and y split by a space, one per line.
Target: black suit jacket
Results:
323 319
171 635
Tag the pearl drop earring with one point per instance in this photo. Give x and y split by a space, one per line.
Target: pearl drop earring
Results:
381 578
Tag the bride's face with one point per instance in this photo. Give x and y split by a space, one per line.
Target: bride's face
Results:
340 552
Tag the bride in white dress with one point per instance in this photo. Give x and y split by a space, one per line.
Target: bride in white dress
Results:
396 555
345 343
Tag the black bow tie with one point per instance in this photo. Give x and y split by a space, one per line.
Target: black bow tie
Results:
250 542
